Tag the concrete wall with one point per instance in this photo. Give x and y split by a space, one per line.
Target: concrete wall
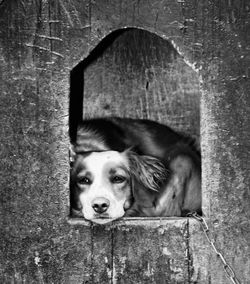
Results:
40 43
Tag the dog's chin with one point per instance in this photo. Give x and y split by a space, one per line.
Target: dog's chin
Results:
103 219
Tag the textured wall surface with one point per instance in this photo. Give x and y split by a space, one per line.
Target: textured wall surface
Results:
40 43
139 74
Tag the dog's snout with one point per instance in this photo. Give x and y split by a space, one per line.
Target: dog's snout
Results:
100 205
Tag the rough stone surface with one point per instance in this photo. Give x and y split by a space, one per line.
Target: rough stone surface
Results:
40 43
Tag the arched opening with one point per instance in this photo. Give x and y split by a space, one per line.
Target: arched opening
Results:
135 73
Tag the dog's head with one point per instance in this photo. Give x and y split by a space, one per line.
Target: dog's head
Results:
105 184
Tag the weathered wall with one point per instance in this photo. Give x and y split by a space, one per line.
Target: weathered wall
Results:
40 43
139 74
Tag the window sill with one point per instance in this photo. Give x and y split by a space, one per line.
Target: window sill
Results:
131 221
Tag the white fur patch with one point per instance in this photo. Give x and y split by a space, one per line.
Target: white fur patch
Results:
99 165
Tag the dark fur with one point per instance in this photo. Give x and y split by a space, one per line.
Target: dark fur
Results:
147 140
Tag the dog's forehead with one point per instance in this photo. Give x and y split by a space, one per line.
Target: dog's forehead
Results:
100 159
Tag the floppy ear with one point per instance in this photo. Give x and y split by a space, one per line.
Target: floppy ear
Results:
147 174
141 195
72 155
147 170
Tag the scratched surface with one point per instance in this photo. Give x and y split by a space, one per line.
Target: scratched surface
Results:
40 43
141 75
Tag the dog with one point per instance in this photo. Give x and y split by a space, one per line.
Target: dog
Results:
131 167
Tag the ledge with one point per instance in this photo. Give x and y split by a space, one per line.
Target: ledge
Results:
152 222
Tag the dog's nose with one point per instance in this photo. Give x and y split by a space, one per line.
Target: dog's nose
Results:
100 204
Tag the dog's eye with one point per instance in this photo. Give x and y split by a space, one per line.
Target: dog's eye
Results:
118 179
84 180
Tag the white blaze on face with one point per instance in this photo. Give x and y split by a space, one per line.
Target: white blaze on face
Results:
108 179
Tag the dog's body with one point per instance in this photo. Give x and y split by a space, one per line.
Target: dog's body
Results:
161 167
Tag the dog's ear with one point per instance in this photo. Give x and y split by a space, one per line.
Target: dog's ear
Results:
142 196
147 170
72 155
147 174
